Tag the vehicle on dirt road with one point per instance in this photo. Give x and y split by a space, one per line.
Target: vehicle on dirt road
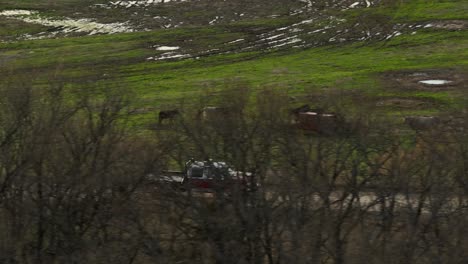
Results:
209 176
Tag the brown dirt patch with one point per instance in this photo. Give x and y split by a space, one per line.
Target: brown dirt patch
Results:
451 24
411 80
404 103
277 71
142 110
6 59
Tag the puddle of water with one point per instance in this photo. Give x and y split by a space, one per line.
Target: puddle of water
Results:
68 25
435 82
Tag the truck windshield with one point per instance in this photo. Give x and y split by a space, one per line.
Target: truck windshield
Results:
196 172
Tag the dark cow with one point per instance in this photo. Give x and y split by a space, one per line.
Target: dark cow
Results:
167 114
300 109
305 108
325 123
422 122
297 112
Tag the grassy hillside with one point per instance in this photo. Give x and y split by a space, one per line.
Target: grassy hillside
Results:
368 66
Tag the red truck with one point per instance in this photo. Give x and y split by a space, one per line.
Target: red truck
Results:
209 176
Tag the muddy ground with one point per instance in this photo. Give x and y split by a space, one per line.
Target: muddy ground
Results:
455 79
406 103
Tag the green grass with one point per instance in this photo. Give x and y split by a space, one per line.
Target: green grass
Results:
314 67
429 10
415 10
10 28
124 56
121 58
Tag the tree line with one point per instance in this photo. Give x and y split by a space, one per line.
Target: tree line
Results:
74 186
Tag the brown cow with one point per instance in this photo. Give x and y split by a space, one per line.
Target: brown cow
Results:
318 122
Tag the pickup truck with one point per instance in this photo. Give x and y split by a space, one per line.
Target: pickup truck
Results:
209 176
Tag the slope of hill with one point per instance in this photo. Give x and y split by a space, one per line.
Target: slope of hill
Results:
166 50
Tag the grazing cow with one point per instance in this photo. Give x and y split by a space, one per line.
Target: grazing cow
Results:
318 122
303 109
300 109
296 112
167 114
422 122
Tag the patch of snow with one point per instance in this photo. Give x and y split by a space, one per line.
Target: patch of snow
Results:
214 20
392 35
283 41
353 5
67 24
319 30
275 36
167 48
140 3
17 12
170 55
281 29
209 51
294 30
308 21
297 12
435 82
294 40
235 41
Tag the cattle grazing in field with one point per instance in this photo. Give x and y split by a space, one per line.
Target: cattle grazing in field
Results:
325 123
167 114
300 109
315 119
304 109
422 122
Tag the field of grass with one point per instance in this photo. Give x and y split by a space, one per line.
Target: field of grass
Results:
121 59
